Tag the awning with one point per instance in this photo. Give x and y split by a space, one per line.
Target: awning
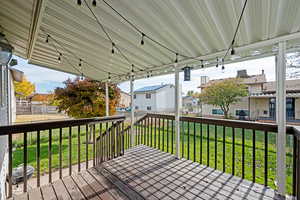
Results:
201 29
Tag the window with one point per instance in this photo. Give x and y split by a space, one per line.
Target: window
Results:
242 113
148 107
148 96
136 107
134 96
217 112
265 112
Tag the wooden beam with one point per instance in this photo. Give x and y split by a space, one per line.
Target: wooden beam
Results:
37 15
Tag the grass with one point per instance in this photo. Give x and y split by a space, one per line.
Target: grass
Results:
163 140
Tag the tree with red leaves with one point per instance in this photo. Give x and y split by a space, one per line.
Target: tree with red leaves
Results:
86 98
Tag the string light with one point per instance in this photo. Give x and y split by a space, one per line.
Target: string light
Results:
81 77
94 3
112 48
59 58
142 41
176 59
217 65
232 51
109 78
79 2
80 63
223 67
202 65
47 39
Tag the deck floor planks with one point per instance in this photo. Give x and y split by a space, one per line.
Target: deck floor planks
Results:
147 173
154 173
86 189
107 184
35 193
98 188
48 192
60 190
72 188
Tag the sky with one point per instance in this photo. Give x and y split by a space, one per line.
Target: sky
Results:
46 80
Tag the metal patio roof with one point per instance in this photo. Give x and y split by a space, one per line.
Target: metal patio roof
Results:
195 28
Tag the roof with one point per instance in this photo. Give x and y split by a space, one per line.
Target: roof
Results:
150 88
41 97
195 28
290 85
253 79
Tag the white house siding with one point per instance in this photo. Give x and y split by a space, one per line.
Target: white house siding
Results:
259 107
162 100
241 105
165 99
297 108
141 102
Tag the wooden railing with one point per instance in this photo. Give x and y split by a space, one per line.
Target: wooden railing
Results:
242 148
100 139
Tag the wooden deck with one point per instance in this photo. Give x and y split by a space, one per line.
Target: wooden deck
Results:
147 173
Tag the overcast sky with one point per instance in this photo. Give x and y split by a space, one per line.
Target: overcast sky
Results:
47 80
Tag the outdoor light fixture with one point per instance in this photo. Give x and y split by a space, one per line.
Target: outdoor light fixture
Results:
202 65
176 58
109 78
5 50
94 3
112 48
223 67
187 73
79 2
217 65
59 58
81 77
47 38
142 41
232 51
13 62
80 63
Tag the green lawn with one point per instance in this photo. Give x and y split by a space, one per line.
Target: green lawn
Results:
188 141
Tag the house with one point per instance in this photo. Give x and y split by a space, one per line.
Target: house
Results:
155 98
254 83
190 104
124 100
260 103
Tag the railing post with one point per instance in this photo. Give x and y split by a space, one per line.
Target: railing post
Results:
132 109
177 111
281 117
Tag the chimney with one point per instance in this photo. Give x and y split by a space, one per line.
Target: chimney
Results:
242 74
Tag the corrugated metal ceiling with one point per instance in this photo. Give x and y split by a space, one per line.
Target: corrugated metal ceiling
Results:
193 27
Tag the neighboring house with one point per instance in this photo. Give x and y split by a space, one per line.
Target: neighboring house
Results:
190 104
124 100
156 98
260 103
255 83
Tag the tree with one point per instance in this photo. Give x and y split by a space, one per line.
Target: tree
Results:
224 93
85 98
190 93
24 88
